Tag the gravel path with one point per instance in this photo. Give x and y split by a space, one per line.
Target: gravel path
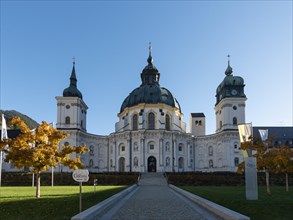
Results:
153 200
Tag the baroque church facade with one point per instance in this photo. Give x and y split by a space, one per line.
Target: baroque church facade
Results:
150 135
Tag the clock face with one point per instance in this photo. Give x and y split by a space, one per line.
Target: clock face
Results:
234 92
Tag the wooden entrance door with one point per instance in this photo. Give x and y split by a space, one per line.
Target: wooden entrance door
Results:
152 164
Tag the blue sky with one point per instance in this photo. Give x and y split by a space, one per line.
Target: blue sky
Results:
190 41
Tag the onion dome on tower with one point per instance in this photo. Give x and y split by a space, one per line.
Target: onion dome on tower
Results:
231 86
72 90
150 91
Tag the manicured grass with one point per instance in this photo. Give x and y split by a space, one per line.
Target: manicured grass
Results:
58 202
277 206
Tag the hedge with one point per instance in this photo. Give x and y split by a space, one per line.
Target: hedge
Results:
222 178
65 179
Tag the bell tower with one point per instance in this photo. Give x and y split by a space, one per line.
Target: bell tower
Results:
230 102
71 109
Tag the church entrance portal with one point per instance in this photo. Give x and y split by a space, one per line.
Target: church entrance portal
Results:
122 164
152 164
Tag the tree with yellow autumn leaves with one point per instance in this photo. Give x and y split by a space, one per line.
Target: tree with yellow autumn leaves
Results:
270 160
283 162
39 149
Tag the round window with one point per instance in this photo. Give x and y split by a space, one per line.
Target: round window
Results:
68 106
235 107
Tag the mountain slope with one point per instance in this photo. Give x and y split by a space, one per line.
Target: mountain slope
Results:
8 114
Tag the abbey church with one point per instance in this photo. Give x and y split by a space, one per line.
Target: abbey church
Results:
150 135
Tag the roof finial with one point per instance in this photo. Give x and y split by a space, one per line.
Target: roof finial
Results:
150 48
229 69
73 60
150 59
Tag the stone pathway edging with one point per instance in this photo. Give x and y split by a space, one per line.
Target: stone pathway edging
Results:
92 212
218 210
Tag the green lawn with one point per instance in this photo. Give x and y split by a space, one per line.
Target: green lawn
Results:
62 202
58 202
277 206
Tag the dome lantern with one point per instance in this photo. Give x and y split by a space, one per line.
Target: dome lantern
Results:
150 91
150 74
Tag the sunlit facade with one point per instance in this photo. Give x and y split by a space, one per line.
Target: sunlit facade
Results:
150 135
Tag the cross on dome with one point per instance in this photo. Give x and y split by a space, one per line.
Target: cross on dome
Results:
229 69
150 59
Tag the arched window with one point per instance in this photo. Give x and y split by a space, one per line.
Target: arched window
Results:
91 150
181 162
211 164
91 164
234 121
81 123
121 148
151 121
210 150
221 124
167 122
67 120
135 162
167 161
134 122
135 146
151 145
167 147
236 161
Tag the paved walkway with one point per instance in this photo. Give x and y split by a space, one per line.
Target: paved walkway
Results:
153 200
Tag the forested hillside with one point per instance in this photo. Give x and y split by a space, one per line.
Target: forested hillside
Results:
12 113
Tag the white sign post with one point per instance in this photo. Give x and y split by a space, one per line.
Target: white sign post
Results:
80 176
251 187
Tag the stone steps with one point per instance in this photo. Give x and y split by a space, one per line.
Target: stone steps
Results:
152 179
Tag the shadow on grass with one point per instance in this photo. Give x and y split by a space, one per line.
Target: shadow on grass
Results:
52 206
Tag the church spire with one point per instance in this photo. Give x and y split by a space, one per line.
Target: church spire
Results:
73 79
72 90
229 69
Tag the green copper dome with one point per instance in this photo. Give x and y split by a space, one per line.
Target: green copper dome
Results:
150 91
231 81
231 86
72 90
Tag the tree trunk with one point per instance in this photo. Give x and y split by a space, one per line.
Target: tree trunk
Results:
38 189
268 182
287 183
